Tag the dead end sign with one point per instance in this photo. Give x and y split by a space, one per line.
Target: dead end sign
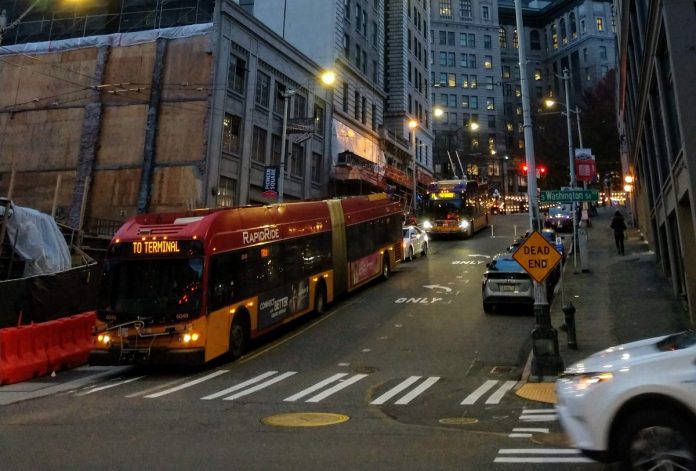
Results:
537 256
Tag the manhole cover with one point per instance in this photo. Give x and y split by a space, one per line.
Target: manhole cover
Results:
458 421
305 419
366 370
499 370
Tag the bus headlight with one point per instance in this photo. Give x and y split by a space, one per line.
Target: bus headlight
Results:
427 225
104 339
464 224
190 337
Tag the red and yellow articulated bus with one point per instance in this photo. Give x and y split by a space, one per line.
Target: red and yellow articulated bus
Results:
187 287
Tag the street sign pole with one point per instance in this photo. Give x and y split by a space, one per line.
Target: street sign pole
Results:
546 359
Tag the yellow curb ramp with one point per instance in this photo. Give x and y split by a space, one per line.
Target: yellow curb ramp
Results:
540 392
305 419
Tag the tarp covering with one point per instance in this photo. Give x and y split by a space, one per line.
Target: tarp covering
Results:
36 238
48 297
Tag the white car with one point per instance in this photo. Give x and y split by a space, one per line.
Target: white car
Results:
634 403
415 242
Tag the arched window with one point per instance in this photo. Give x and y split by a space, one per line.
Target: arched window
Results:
564 35
503 38
534 41
573 27
515 41
554 36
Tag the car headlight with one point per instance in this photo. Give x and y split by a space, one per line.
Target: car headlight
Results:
427 225
584 381
464 224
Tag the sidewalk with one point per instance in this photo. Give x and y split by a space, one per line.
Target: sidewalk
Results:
620 299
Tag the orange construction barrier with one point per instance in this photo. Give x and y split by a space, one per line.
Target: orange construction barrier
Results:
19 359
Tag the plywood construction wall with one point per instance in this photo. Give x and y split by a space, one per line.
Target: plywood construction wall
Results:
86 113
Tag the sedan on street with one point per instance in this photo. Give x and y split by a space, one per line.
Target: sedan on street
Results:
634 403
506 283
415 242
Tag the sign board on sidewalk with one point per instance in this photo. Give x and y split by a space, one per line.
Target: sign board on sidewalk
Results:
537 256
568 196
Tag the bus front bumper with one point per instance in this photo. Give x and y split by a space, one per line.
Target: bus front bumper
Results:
116 356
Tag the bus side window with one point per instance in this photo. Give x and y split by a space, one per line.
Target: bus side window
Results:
221 282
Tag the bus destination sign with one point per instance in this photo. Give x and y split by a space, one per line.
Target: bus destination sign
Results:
445 195
156 247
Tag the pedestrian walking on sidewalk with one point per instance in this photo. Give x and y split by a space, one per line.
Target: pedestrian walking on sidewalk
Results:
619 226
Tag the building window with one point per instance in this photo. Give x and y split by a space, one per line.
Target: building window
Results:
442 59
583 28
465 101
564 36
451 80
472 40
465 81
554 36
297 160
375 34
600 23
279 99
489 83
374 117
346 91
465 8
491 121
363 110
443 38
515 39
299 106
486 13
502 36
227 189
506 71
318 119
472 61
446 8
487 41
258 145
537 74
452 103
488 62
275 149
346 45
231 126
358 17
450 38
534 40
462 40
346 10
602 52
356 113
604 70
358 56
316 167
473 82
573 27
263 86
490 103
464 60
473 102
584 54
237 72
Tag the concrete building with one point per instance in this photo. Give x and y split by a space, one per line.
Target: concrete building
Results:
379 50
466 85
655 101
159 119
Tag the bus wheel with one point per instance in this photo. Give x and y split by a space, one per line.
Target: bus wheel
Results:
239 335
320 299
386 270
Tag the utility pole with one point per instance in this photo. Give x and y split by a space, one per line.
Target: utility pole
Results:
546 359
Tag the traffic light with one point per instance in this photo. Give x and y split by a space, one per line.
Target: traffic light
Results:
542 170
523 169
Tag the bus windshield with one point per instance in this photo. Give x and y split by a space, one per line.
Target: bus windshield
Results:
154 287
444 208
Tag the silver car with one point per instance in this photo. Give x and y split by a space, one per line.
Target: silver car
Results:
415 242
506 283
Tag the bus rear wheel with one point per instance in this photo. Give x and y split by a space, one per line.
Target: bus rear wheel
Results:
320 299
239 335
386 269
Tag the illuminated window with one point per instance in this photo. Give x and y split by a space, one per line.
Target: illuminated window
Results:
554 36
600 23
230 133
488 62
451 80
227 188
490 103
446 8
515 40
502 35
537 74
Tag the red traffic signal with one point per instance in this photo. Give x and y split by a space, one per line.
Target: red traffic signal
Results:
542 170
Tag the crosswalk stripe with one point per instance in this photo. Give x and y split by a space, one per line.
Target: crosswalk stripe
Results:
108 386
538 451
498 395
520 435
538 411
335 389
539 418
483 389
187 384
258 387
395 390
315 387
543 459
418 390
532 430
240 385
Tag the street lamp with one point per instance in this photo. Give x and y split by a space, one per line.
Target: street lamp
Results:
328 77
413 124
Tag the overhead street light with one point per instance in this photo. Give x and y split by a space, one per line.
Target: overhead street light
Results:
328 77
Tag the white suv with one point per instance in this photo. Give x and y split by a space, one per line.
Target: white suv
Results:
634 403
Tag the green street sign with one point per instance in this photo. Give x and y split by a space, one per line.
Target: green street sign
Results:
569 196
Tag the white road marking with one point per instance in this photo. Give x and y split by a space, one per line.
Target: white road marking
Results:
417 391
258 387
483 389
335 389
532 430
550 459
240 385
187 384
520 435
498 395
538 411
315 387
108 386
395 390
538 451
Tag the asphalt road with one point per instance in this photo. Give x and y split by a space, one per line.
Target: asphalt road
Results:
421 378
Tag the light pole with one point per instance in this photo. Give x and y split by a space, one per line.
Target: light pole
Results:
328 78
413 125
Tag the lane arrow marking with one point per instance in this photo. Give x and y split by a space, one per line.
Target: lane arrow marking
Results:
438 287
